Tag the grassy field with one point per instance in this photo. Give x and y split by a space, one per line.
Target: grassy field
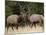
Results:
25 29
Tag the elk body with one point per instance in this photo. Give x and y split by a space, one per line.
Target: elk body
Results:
13 21
36 19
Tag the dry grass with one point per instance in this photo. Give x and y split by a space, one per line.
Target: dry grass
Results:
25 29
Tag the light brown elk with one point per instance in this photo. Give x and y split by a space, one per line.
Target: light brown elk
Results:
14 21
36 19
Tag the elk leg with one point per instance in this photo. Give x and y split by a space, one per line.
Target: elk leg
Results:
17 26
12 26
7 27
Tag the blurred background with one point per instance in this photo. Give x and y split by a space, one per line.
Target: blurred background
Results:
18 7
